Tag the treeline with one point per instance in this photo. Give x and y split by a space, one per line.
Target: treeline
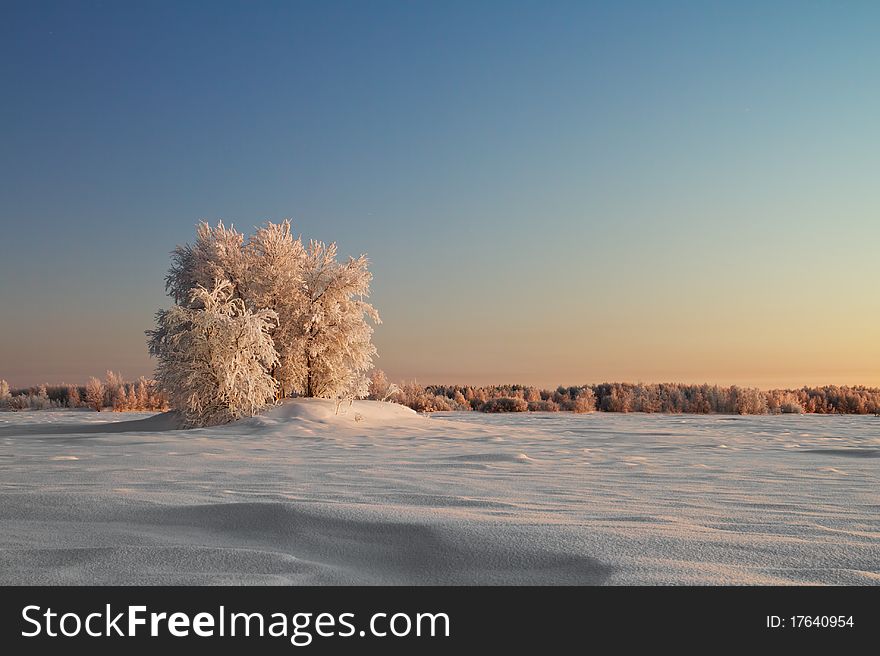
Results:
638 397
113 393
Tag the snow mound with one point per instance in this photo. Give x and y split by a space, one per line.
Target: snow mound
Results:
329 413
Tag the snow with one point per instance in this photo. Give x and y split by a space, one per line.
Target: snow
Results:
343 414
374 493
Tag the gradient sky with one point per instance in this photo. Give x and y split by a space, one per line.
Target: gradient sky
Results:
550 192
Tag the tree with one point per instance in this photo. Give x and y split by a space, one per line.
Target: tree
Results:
214 356
585 401
749 401
533 394
322 336
95 394
121 400
141 395
218 254
114 391
4 390
380 389
73 398
330 329
275 270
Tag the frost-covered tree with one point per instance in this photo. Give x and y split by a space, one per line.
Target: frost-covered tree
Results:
217 254
114 391
214 356
141 394
331 329
40 400
790 404
95 394
585 401
276 264
73 397
749 401
121 400
322 335
379 385
18 402
381 389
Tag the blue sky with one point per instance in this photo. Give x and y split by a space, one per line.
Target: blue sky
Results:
549 191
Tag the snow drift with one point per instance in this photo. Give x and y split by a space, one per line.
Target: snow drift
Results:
374 493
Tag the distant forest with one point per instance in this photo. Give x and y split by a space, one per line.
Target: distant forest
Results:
114 393
637 397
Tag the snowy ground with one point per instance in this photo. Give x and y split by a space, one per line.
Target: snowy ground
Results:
381 495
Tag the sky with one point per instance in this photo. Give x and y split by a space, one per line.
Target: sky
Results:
549 192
